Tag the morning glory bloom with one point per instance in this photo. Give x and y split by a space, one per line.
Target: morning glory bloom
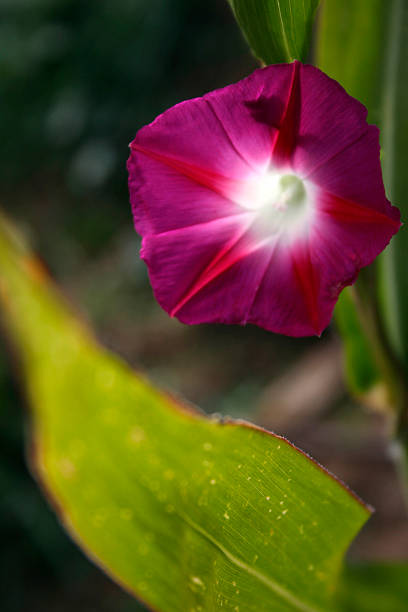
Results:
258 203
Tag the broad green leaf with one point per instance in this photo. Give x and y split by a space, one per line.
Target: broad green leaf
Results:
276 30
394 277
350 49
375 588
186 512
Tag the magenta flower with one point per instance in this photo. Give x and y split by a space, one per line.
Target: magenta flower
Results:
259 202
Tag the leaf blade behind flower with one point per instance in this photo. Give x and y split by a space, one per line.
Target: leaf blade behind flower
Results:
349 31
393 269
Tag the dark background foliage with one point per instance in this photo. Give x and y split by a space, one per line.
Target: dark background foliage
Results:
77 81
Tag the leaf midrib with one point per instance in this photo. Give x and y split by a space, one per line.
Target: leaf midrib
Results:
284 36
271 584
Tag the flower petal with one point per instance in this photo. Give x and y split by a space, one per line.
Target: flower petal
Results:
219 279
261 201
228 130
354 174
329 120
354 231
251 110
216 142
286 136
286 301
166 197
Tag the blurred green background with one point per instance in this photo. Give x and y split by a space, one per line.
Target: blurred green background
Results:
77 80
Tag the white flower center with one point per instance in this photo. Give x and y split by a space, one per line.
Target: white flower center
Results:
284 203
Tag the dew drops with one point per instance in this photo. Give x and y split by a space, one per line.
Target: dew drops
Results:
203 500
136 435
268 498
196 584
67 467
97 521
284 511
99 518
207 446
226 516
213 481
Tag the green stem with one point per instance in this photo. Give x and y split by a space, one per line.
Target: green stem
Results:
366 303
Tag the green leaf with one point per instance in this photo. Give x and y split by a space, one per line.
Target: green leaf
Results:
350 48
361 371
350 30
276 30
394 277
375 588
186 512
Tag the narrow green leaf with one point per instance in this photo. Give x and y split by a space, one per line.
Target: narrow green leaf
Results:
350 49
187 513
394 277
361 371
276 30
